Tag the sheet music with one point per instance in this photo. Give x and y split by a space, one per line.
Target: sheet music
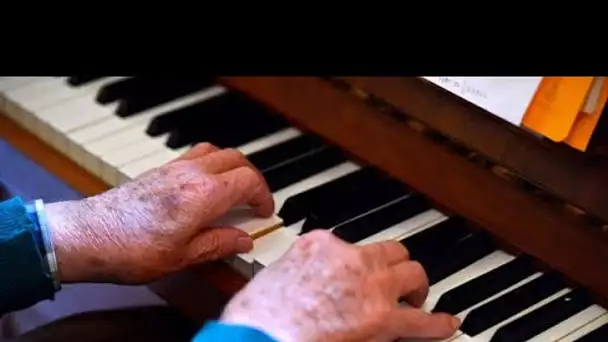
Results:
593 97
506 97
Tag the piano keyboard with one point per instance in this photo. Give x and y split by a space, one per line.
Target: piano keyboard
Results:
119 127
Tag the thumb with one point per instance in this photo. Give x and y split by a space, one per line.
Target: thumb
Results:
218 242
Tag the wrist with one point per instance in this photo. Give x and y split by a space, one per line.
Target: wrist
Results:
76 247
36 213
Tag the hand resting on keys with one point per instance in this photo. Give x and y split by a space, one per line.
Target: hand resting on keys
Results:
324 289
158 223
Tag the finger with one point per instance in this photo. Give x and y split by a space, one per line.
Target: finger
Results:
218 242
386 252
412 323
245 186
199 150
410 282
223 161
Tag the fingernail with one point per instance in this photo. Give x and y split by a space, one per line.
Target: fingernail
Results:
455 323
244 244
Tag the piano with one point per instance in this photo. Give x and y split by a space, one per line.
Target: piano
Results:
366 158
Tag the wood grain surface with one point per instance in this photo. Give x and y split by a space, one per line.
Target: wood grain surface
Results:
578 178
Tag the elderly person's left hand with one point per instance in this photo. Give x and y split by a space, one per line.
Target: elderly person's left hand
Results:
160 222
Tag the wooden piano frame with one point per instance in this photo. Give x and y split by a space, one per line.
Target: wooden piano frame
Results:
545 200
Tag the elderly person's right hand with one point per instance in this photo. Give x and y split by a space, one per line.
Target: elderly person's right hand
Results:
324 289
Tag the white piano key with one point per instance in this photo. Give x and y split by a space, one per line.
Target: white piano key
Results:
36 95
242 218
136 168
272 247
71 108
133 131
416 224
91 133
18 113
267 249
486 335
139 166
54 123
308 183
99 149
570 325
476 269
462 315
122 156
150 145
35 102
269 140
8 83
245 261
14 82
585 329
59 92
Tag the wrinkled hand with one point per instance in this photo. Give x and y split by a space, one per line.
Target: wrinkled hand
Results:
159 223
323 289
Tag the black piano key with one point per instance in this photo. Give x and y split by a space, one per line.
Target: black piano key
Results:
297 207
244 119
82 80
156 93
470 249
193 116
598 335
184 135
511 303
438 238
304 167
251 124
221 133
284 152
485 286
383 218
543 318
119 89
166 122
376 191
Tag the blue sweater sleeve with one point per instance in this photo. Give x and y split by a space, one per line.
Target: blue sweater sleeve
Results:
24 277
217 331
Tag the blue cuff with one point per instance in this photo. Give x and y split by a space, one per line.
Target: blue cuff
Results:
24 275
217 331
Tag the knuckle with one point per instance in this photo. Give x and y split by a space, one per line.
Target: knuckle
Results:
418 271
313 238
210 249
248 179
321 235
249 173
234 153
204 146
358 257
213 244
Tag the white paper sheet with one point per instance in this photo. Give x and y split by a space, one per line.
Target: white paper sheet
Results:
506 97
